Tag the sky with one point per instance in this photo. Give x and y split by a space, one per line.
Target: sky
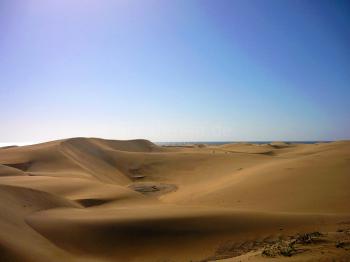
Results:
180 70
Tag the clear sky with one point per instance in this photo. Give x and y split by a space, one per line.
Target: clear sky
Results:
177 70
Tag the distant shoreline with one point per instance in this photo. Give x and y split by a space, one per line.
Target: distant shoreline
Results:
184 143
232 142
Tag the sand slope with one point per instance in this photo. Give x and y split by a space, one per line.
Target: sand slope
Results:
89 199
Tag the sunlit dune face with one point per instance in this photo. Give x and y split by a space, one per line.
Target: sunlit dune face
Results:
98 199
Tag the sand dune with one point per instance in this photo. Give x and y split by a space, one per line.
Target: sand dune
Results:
89 199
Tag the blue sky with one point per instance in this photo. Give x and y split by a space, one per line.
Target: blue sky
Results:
175 70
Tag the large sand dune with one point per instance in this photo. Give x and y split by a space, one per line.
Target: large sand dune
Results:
89 199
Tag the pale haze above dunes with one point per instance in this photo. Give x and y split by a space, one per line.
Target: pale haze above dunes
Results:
175 70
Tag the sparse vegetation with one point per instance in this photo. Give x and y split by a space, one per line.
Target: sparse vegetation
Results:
343 244
288 247
308 238
281 248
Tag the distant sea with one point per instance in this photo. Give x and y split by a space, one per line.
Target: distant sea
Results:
230 142
187 143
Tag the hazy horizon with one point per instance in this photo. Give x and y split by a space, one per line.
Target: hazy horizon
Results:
5 144
175 70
